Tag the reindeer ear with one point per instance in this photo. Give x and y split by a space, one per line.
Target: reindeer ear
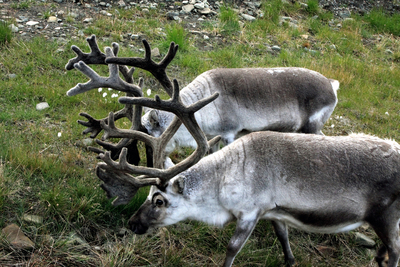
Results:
178 185
154 118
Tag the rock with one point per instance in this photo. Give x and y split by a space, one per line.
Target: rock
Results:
276 48
52 19
206 11
88 20
42 106
87 141
11 76
17 238
32 23
155 52
199 5
364 241
33 218
345 14
13 28
187 8
248 17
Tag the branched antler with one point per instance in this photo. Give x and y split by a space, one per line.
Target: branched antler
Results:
96 81
146 63
94 57
184 114
118 175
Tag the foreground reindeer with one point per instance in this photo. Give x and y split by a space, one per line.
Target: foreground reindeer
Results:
312 182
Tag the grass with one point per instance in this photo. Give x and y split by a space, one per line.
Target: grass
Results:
5 33
42 173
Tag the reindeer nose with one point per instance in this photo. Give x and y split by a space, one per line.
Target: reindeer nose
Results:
137 227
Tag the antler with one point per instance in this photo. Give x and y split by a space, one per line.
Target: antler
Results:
113 81
146 63
183 113
118 175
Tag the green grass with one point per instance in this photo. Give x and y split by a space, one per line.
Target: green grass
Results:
229 20
382 22
44 174
5 33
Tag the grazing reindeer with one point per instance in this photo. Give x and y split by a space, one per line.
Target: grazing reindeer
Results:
311 182
251 99
314 183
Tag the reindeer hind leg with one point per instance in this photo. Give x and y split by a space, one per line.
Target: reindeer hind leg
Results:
281 232
386 227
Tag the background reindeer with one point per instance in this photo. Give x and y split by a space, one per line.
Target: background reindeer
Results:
315 183
251 99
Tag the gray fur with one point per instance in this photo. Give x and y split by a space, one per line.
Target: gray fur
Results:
315 183
253 99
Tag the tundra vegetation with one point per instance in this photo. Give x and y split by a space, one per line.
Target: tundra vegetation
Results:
46 170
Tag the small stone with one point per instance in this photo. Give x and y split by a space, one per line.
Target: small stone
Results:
13 28
88 20
364 241
12 76
33 218
17 238
42 106
345 14
187 8
199 5
276 48
32 23
155 52
52 19
248 17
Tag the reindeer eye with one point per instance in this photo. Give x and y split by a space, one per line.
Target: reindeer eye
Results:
159 202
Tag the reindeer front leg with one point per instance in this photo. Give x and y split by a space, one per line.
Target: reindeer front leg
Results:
244 228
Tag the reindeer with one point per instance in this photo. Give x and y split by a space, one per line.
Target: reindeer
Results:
312 182
251 99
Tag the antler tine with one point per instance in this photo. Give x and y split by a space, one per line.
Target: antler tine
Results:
96 81
184 114
146 63
94 57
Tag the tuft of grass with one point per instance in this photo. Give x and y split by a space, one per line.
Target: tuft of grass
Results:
312 7
176 33
21 4
5 33
380 21
272 10
229 20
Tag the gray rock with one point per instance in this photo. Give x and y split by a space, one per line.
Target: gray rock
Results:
364 241
248 17
199 5
42 106
17 238
276 48
32 23
345 13
52 19
13 28
33 218
88 20
187 8
155 52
